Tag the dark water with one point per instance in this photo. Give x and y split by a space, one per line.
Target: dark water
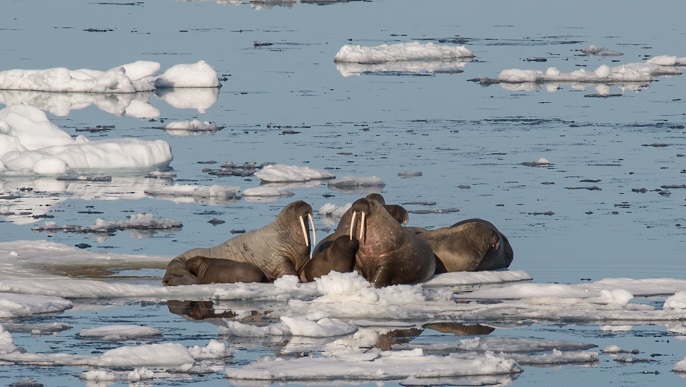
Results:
586 216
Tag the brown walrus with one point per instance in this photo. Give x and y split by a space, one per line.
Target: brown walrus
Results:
468 245
203 270
343 237
388 253
277 249
338 256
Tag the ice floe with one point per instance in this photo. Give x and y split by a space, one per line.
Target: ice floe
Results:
282 173
186 128
373 365
401 58
128 78
411 51
30 143
186 192
119 332
639 72
135 222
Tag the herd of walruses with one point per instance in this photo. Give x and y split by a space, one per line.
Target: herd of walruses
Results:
370 239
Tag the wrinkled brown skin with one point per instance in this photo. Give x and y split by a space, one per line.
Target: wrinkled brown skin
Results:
388 253
277 249
338 256
469 245
203 270
398 212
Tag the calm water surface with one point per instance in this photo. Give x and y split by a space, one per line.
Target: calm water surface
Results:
468 141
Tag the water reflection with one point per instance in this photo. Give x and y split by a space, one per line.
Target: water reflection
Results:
25 200
418 67
135 105
600 89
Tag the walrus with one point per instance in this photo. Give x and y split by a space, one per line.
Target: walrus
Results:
277 249
338 256
203 270
388 253
469 245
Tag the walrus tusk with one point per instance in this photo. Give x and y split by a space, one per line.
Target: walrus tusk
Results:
302 224
362 221
314 231
352 225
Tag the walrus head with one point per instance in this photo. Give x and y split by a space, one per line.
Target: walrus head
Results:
298 211
361 209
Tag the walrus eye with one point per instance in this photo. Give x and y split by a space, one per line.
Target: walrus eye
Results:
314 231
302 225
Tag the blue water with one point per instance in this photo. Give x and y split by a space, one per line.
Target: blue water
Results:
467 140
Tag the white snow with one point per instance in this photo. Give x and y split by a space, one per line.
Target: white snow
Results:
128 78
30 143
21 305
373 366
266 191
282 173
400 52
179 191
631 72
186 128
324 327
119 332
600 51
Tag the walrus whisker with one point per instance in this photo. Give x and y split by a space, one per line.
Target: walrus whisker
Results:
314 233
302 225
352 224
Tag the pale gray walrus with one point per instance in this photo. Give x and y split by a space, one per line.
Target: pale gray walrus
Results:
388 253
468 245
277 249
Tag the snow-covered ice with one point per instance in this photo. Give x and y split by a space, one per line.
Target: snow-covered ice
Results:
119 332
30 143
282 173
127 78
411 51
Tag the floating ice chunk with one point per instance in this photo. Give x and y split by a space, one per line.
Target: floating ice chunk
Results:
148 355
676 302
21 305
613 297
29 142
119 332
282 173
519 76
680 366
198 74
325 327
235 328
557 357
370 366
6 342
192 126
267 191
478 278
181 190
128 78
330 209
600 51
400 52
215 349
